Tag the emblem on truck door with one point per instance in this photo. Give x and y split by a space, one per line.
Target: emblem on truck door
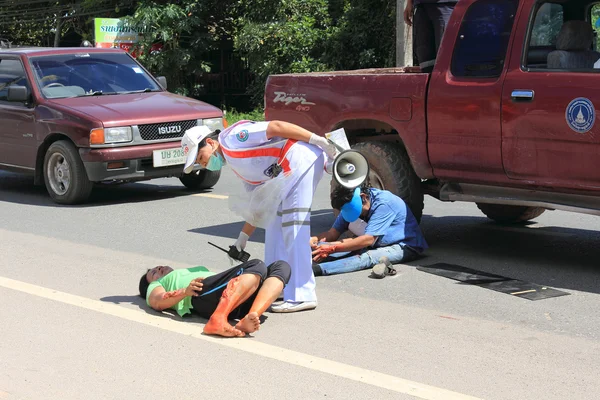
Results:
283 97
580 115
165 130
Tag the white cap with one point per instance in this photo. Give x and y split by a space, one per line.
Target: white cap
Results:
189 144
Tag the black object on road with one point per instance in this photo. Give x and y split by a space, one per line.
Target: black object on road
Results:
234 253
514 287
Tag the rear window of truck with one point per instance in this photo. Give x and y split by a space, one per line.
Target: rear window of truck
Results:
483 38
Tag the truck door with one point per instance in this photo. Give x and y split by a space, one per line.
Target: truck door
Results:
463 105
550 128
18 144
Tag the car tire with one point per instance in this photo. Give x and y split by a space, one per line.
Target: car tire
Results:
506 214
64 174
200 180
390 169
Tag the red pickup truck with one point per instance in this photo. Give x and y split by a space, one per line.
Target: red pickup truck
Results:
505 119
79 116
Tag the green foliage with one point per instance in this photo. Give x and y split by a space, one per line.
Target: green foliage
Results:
364 35
35 22
232 116
282 36
181 30
295 36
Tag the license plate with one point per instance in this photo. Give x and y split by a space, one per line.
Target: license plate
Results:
168 157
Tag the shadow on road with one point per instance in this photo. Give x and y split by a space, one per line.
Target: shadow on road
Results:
320 221
15 188
555 256
141 304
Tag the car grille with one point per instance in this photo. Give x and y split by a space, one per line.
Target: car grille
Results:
166 130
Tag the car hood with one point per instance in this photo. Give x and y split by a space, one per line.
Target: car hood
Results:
140 108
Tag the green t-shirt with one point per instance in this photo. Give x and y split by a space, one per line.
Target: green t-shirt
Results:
179 279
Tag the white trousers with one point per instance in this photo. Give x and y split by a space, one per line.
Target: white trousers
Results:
288 236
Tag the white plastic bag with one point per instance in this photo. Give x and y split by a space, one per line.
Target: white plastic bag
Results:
258 204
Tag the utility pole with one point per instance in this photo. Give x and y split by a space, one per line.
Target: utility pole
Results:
404 53
57 34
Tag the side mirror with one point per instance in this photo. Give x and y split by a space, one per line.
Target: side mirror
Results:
17 94
162 81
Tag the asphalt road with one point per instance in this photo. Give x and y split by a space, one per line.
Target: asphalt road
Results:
72 326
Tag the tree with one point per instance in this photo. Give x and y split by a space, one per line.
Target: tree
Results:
363 34
186 30
277 36
43 23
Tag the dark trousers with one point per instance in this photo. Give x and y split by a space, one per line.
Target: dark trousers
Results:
429 24
213 286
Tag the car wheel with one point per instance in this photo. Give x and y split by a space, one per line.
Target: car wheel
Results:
64 174
200 180
390 169
506 214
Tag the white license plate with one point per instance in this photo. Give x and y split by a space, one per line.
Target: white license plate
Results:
168 157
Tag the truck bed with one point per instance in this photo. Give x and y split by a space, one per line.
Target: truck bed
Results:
371 102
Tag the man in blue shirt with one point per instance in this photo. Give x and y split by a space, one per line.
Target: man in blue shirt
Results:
386 232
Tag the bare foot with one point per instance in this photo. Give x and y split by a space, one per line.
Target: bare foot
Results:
222 328
249 324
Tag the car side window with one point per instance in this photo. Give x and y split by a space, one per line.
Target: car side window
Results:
595 21
483 39
562 38
12 73
548 21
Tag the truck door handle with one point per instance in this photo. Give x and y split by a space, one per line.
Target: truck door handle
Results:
522 95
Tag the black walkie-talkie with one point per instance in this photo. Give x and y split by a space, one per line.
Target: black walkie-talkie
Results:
234 253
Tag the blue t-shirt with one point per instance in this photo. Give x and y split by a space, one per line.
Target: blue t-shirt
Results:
390 221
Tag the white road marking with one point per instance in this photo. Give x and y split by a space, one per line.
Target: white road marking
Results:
211 196
357 374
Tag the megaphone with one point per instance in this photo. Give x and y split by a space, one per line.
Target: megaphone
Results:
350 169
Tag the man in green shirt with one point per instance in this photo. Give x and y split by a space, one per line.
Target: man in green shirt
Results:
243 292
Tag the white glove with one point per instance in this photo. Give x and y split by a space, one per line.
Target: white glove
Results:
324 144
241 241
329 167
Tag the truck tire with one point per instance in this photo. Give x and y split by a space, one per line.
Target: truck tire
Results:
200 180
64 174
506 214
390 169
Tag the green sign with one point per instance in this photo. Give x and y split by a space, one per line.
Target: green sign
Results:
115 31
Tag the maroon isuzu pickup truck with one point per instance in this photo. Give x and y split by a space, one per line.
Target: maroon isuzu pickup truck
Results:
506 118
73 117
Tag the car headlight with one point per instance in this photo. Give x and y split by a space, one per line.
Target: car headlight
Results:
118 135
213 124
121 134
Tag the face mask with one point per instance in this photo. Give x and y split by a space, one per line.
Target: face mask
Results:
215 163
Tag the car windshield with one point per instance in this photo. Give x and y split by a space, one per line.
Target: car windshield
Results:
90 74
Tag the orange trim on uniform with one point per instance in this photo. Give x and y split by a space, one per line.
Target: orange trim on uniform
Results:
246 180
270 152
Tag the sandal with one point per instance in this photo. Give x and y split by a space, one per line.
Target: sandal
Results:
383 269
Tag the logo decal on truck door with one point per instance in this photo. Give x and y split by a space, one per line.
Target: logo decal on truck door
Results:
283 97
580 115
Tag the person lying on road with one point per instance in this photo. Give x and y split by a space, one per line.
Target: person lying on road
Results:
386 233
244 291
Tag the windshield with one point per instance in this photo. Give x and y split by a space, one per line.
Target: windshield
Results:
90 74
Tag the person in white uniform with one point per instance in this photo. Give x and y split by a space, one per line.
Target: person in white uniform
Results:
280 165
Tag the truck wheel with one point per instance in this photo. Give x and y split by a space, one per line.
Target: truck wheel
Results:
505 214
64 174
200 180
390 169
